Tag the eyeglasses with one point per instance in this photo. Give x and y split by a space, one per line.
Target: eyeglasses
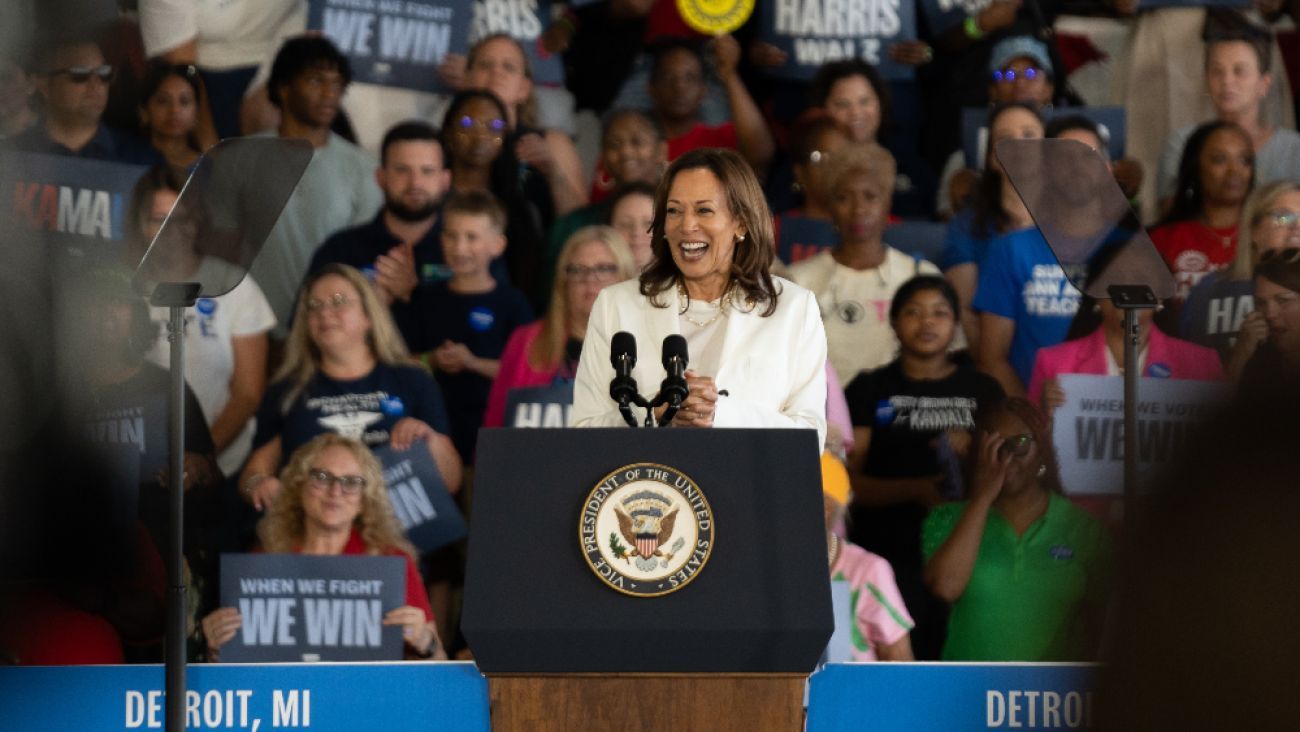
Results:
337 301
1281 219
599 273
1017 445
467 124
1029 74
323 480
82 74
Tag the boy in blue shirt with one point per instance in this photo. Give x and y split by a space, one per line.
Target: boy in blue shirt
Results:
466 320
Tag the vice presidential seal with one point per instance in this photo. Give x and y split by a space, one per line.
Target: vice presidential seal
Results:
646 530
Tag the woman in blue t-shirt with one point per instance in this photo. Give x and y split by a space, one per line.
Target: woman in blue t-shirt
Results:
347 371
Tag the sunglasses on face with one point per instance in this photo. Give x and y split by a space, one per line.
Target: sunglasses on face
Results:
1029 74
82 74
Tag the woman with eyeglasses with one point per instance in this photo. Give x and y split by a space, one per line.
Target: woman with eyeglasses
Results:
1024 569
345 371
474 134
1276 361
543 352
334 503
1219 312
169 109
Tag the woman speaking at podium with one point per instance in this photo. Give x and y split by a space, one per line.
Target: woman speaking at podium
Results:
757 351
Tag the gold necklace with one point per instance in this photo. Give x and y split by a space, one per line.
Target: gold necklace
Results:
723 307
833 552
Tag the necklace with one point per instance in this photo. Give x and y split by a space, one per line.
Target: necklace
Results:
723 307
833 551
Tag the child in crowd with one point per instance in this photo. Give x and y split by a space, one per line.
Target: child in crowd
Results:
466 320
881 625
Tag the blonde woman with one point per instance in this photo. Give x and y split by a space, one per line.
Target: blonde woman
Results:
539 353
345 371
333 503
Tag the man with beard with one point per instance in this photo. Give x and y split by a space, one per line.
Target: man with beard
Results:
400 248
307 82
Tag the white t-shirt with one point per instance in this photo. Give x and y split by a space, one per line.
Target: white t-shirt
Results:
704 342
855 307
210 327
230 33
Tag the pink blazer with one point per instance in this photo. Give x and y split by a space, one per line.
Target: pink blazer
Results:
1167 357
515 373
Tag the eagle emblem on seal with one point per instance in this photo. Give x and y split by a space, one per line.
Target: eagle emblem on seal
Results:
645 521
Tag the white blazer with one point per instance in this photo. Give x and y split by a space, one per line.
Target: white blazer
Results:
773 368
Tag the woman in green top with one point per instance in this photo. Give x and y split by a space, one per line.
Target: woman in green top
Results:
1024 569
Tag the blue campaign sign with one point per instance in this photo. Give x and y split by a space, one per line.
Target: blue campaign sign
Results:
540 406
420 498
525 21
79 204
312 608
412 696
975 132
800 237
394 42
942 15
950 696
813 32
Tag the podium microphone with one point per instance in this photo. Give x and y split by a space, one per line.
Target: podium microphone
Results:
673 390
623 389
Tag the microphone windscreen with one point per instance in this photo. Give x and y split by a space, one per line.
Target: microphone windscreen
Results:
623 344
675 347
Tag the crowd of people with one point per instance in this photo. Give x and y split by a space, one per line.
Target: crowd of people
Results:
494 244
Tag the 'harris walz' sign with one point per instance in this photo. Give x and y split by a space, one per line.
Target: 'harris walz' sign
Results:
420 499
310 608
814 32
394 42
79 204
524 21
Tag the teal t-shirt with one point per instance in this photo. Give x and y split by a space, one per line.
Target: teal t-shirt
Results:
1033 597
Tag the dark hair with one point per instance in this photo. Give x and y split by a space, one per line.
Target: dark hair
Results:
819 89
662 49
635 188
158 73
1061 124
1039 426
476 203
990 218
157 178
1235 28
410 131
923 283
752 259
1281 267
804 132
448 122
1189 199
300 54
615 115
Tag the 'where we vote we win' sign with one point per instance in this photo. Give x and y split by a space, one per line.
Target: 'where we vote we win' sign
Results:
395 42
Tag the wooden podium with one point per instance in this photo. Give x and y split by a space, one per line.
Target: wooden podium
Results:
564 650
630 701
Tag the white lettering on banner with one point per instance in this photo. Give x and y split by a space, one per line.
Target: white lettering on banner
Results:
411 503
285 708
350 31
213 709
265 586
89 214
120 430
423 39
970 6
1227 313
1037 709
267 621
516 18
343 623
550 415
838 18
403 39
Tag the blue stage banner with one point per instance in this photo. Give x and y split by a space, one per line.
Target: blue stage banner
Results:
943 15
411 696
950 696
975 132
79 204
813 32
525 21
394 42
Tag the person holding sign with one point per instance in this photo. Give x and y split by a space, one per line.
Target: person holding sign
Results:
1025 569
345 371
756 344
1276 361
333 503
539 353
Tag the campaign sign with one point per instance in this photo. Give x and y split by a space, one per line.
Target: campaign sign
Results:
813 32
420 499
524 21
540 406
1088 430
312 608
892 697
943 15
408 696
394 42
800 237
79 204
975 131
